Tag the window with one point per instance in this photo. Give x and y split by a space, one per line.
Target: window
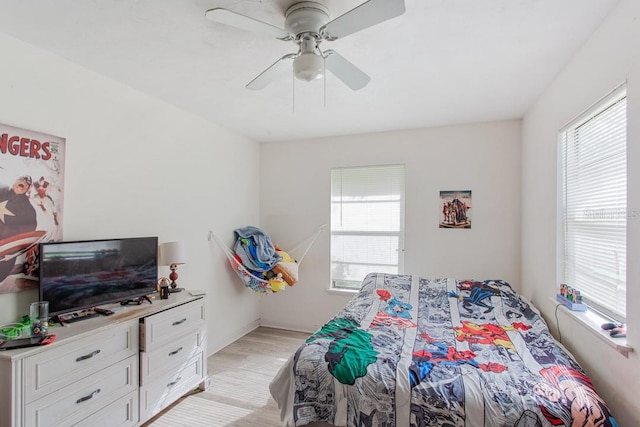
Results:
367 223
593 150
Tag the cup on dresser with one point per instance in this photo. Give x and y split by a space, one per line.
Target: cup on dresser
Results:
164 291
163 288
39 315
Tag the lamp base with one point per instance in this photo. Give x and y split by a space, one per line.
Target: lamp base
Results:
174 290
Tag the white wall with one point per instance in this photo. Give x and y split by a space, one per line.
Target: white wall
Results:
606 60
484 158
136 166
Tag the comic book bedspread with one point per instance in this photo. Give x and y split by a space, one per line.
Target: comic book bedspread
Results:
408 351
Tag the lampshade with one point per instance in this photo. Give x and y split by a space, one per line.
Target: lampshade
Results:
172 253
308 67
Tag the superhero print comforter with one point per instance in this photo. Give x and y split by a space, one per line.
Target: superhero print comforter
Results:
409 351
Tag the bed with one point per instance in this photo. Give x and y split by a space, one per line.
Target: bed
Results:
410 351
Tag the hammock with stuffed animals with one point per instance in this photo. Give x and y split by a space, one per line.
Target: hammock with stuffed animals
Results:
263 266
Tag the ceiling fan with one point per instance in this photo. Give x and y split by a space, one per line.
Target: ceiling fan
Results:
307 24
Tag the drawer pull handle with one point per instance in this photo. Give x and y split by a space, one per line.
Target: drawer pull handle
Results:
88 356
171 384
173 353
84 399
179 322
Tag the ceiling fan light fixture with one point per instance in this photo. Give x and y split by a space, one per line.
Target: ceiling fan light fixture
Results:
307 23
308 67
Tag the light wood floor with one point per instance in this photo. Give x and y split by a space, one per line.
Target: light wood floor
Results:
239 391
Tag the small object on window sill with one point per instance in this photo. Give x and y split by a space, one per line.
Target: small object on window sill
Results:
619 332
610 325
573 306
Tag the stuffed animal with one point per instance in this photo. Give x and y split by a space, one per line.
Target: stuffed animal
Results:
285 256
277 283
287 267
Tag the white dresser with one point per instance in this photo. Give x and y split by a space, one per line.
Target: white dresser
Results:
118 370
172 355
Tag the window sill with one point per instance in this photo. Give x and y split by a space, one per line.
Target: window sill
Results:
344 292
592 321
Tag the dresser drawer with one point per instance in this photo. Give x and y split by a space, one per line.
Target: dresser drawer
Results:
85 397
171 325
170 356
166 388
51 370
121 413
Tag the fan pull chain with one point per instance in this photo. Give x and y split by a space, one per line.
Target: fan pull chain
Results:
324 83
293 92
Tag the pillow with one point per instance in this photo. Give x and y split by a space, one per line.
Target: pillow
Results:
289 271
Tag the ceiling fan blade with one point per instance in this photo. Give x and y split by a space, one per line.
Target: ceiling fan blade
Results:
348 73
229 17
271 73
364 16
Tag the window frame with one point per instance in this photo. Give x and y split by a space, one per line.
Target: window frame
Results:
565 135
344 285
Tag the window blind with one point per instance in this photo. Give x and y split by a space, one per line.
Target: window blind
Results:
594 155
367 223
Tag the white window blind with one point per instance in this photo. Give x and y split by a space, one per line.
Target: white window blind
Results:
594 156
367 223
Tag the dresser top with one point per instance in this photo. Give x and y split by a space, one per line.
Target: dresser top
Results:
122 314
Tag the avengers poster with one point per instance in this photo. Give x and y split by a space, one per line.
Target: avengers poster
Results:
456 206
31 190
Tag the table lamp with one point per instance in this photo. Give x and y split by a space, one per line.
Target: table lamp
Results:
173 254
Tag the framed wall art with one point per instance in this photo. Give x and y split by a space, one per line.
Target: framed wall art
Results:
31 202
455 209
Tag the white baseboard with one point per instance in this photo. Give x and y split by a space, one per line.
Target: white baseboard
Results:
236 336
288 328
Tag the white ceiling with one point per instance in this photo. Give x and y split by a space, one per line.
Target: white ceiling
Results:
443 62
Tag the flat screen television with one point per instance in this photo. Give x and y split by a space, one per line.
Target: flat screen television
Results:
81 274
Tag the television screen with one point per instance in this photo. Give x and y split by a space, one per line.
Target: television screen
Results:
82 274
